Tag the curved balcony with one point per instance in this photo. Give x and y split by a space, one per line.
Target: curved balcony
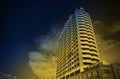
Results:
90 26
92 42
90 33
84 53
86 66
85 42
94 53
87 61
90 29
84 39
95 57
90 36
85 50
82 28
92 45
85 46
87 56
83 31
91 39
93 48
83 34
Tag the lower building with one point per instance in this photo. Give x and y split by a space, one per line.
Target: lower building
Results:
98 71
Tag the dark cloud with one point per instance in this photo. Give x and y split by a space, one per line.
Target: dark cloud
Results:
107 31
107 36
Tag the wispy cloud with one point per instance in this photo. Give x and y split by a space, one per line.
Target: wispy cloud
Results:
43 61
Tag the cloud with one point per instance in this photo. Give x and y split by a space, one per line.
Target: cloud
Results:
107 30
108 44
116 28
43 61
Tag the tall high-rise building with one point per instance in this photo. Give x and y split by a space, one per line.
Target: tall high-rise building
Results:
77 46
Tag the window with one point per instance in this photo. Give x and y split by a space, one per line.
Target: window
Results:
77 71
74 61
97 72
78 64
107 71
77 54
75 66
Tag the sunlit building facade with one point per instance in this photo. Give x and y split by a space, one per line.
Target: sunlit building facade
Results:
77 46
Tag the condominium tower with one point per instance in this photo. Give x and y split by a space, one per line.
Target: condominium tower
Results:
77 46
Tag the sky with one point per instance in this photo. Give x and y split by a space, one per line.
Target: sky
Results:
29 30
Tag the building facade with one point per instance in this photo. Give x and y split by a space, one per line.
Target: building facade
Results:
100 71
77 46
